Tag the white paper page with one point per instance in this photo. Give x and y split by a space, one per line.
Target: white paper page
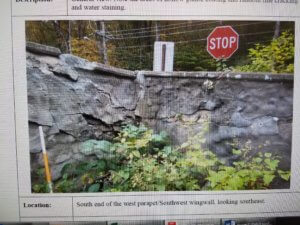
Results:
80 103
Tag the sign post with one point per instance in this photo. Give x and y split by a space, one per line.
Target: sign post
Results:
222 42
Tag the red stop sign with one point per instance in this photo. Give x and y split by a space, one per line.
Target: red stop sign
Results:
171 223
222 42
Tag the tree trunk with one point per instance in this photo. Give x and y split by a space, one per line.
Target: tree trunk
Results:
81 25
70 36
277 30
157 34
60 33
105 58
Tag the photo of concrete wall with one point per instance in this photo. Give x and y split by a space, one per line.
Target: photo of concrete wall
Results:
112 129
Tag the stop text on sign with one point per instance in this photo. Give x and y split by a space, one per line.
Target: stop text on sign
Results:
222 42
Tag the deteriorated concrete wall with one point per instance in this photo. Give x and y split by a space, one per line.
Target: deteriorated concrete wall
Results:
76 100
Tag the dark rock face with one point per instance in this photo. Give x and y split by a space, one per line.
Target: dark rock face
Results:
76 100
258 112
73 105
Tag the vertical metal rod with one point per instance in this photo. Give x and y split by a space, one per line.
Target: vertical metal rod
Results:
46 161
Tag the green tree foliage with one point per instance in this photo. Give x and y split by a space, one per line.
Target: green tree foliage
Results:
253 172
140 160
132 59
193 58
276 57
42 32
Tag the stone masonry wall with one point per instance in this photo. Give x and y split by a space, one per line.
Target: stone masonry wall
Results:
76 100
